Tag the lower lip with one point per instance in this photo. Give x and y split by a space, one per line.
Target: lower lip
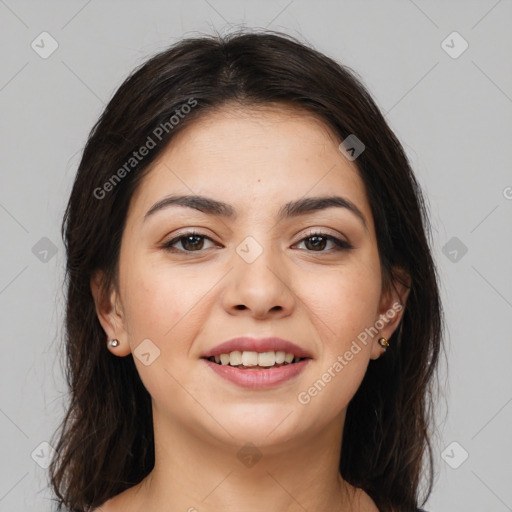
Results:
258 379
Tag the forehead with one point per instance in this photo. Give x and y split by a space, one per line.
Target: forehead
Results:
253 157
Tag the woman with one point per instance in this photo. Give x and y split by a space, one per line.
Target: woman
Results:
253 315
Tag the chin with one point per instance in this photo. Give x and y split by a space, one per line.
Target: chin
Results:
264 424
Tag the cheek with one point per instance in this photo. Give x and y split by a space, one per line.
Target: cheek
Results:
345 299
150 307
344 304
164 303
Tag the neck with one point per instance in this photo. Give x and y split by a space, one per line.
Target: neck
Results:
196 472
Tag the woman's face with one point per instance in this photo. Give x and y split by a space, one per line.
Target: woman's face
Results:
256 273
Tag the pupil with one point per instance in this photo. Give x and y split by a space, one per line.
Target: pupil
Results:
187 240
317 239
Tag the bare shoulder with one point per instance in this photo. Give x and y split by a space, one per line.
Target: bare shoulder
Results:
363 502
116 504
106 507
109 506
129 500
367 504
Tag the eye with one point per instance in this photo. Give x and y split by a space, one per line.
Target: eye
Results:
318 241
190 242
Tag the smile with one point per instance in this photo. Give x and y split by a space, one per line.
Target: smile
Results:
247 370
255 360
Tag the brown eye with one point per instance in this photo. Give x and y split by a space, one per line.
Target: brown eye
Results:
190 242
318 241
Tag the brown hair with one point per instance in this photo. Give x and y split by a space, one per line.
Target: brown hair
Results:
105 442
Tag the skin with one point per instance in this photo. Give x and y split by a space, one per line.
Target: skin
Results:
188 302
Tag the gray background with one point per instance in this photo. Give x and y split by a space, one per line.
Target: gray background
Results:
453 116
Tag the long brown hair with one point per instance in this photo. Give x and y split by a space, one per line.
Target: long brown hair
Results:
105 441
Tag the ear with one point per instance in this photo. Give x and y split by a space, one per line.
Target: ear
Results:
110 314
391 308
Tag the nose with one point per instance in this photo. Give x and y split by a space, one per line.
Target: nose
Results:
260 288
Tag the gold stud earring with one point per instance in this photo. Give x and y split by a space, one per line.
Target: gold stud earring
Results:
113 343
383 342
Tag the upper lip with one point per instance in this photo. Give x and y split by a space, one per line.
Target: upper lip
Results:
246 343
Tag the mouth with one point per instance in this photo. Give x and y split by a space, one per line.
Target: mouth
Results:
250 360
258 363
247 370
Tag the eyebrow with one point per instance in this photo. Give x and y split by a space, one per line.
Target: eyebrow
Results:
289 210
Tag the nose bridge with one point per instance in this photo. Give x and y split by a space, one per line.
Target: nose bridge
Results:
259 280
257 260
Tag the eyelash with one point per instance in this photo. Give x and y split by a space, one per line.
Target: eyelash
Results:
340 245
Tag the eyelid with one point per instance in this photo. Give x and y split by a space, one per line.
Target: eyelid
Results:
184 233
340 242
322 231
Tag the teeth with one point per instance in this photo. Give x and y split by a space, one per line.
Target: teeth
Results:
267 358
280 355
251 358
235 358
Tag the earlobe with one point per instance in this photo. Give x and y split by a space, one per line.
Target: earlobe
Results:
110 315
391 310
